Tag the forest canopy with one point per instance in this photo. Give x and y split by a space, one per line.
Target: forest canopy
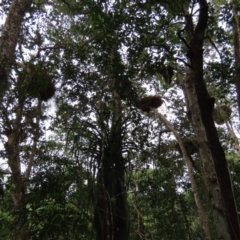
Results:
119 120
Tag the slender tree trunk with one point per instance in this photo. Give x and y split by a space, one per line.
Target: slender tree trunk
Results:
12 150
236 39
201 212
201 107
9 38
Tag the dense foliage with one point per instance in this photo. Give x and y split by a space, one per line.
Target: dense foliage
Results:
84 152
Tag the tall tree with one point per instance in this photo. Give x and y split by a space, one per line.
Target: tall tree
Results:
201 107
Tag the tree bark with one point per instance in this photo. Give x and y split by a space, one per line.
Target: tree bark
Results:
12 151
209 174
201 107
111 208
9 38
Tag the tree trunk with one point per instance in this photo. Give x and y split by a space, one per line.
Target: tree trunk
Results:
111 218
210 177
111 209
202 214
9 38
201 107
12 151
